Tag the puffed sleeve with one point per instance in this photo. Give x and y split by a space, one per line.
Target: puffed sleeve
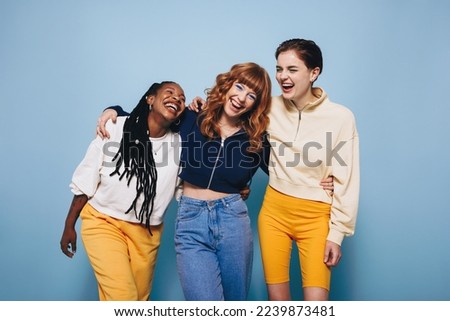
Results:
86 176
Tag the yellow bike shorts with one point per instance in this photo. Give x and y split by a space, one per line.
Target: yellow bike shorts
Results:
285 218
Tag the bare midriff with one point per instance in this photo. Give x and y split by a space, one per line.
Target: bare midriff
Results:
203 194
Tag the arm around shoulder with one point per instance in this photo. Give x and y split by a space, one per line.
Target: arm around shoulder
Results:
111 112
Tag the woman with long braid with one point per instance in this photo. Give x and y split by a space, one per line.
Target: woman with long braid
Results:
122 194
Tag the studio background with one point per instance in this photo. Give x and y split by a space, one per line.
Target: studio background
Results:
62 62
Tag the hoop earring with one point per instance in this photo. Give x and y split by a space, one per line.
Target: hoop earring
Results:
177 122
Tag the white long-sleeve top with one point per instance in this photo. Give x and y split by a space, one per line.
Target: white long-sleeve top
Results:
113 197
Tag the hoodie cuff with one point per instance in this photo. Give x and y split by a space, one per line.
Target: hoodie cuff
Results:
335 236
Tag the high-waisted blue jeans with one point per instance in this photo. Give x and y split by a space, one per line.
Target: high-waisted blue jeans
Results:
214 246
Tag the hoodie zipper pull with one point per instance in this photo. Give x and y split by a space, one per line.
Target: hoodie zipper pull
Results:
215 163
298 124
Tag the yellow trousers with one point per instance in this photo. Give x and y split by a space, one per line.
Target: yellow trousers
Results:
122 255
284 218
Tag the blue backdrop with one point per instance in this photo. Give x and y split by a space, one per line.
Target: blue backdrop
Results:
62 62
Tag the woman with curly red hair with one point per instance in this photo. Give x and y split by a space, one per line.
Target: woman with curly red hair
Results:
222 149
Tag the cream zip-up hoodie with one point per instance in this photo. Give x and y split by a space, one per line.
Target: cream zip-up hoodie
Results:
309 145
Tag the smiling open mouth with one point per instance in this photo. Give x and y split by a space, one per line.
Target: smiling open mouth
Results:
236 105
171 106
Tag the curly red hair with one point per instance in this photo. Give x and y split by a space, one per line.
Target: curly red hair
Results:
256 120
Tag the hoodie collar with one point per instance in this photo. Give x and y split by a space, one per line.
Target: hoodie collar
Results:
318 92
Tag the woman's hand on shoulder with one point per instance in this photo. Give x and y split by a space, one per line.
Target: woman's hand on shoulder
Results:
196 104
103 119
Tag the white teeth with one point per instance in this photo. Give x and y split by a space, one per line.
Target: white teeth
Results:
172 106
236 105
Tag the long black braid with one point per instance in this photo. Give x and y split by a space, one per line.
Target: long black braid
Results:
136 152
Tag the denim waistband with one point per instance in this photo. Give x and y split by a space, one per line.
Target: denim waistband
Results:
224 201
